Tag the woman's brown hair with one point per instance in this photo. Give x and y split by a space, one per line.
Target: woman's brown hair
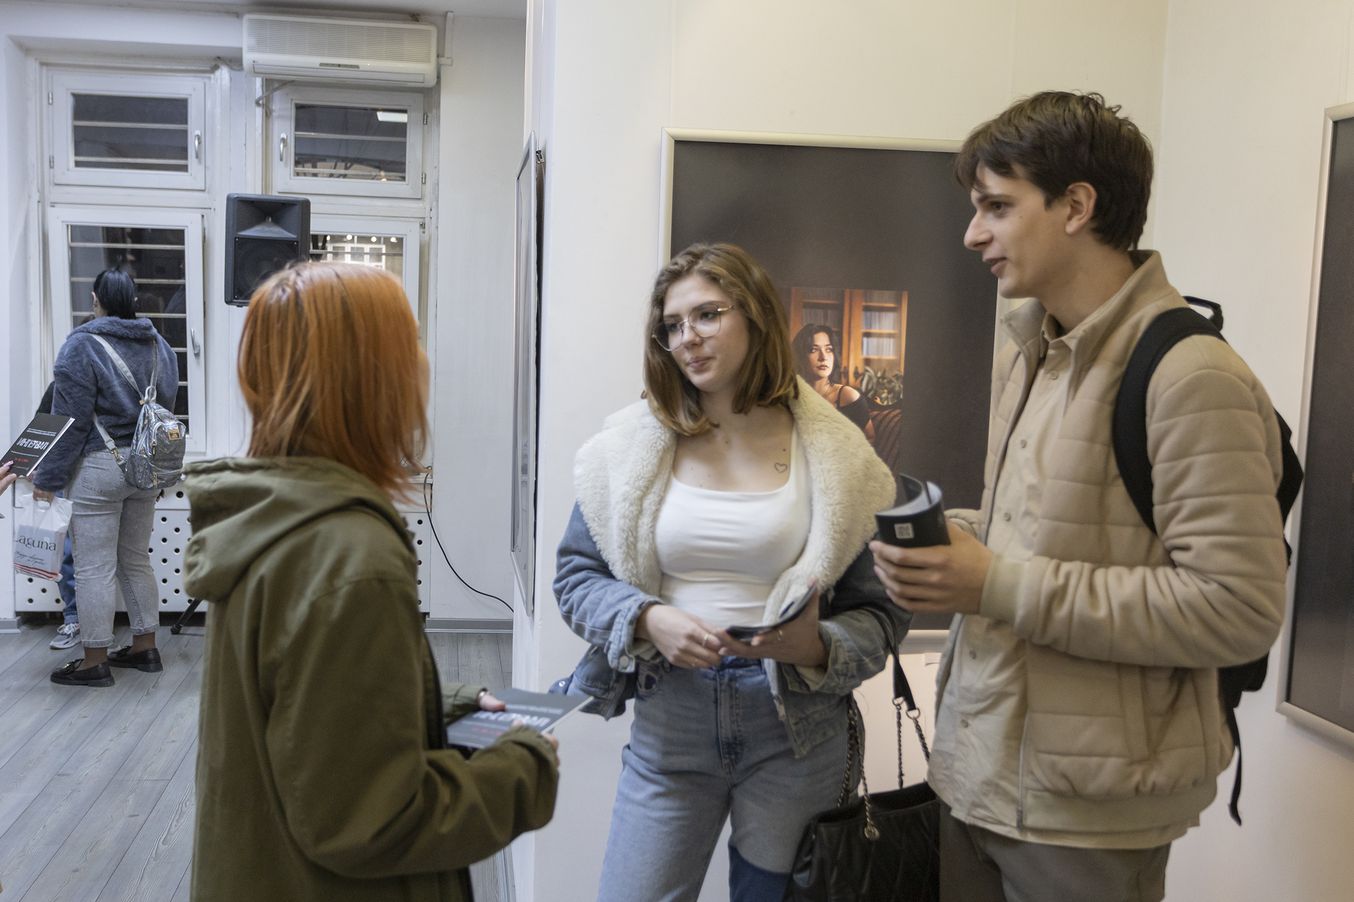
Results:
330 367
767 376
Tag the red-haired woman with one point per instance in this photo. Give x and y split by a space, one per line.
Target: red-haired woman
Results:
322 772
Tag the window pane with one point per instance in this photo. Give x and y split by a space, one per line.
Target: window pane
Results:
383 251
146 134
181 405
154 258
355 143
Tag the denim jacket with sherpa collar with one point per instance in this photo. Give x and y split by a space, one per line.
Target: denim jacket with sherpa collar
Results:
608 571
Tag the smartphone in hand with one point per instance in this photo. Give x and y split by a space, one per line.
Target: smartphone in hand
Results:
788 612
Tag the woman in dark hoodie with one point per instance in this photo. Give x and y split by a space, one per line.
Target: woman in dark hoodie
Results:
323 771
110 519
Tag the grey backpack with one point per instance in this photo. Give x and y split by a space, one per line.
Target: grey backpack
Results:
155 459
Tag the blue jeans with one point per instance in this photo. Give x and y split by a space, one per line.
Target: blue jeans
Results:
66 585
707 745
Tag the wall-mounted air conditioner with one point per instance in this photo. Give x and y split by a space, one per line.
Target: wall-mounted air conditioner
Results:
341 50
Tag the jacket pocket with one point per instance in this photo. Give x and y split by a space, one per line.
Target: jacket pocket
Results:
649 679
815 717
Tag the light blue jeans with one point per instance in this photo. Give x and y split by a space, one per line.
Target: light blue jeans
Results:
111 523
707 745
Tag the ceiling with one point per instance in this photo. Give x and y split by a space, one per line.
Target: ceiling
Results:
502 9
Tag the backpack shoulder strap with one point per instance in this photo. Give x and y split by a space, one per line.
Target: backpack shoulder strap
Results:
147 395
1129 424
1291 481
118 362
149 392
1135 467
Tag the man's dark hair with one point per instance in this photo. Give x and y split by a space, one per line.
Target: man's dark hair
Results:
1056 138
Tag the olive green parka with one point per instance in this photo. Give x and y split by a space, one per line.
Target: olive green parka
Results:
322 772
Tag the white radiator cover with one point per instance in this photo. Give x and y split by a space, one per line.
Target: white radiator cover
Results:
169 538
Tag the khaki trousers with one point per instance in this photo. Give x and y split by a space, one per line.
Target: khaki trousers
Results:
977 865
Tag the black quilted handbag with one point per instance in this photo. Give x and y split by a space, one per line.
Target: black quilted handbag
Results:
876 848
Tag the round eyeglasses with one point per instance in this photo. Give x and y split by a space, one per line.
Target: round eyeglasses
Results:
703 321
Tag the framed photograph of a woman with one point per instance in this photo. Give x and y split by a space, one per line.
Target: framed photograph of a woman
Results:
892 319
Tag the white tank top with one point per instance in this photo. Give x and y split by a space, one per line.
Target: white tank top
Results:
721 552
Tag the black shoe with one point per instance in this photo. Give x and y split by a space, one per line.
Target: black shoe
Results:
147 661
71 675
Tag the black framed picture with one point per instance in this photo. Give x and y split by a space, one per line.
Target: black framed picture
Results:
1317 668
526 369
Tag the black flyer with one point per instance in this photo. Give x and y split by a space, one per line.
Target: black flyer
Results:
32 445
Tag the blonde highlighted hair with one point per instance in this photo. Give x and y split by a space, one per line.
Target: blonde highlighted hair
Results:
330 367
767 376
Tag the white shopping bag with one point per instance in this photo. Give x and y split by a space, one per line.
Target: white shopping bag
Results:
39 532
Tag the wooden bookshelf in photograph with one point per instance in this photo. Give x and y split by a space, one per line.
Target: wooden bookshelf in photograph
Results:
872 325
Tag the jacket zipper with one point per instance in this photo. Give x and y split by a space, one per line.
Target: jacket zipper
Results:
1020 776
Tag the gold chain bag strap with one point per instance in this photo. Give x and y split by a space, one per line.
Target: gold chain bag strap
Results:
877 847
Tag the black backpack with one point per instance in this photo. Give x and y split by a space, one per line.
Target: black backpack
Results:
1130 453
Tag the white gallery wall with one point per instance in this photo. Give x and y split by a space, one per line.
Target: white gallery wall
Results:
481 124
607 76
1239 161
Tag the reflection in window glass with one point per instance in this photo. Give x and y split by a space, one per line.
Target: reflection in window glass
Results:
144 134
383 251
355 143
154 257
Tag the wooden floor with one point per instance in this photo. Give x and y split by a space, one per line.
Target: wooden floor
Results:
64 764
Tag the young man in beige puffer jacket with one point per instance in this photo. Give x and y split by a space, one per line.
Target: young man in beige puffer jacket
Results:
1079 729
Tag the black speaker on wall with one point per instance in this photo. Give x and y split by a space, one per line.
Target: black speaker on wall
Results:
266 232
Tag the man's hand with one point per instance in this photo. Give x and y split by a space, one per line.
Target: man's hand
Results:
6 477
798 642
683 639
941 579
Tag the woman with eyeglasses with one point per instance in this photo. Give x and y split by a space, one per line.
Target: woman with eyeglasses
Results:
730 490
816 350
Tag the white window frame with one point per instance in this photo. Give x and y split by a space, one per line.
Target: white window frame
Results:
409 232
60 217
64 84
283 147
